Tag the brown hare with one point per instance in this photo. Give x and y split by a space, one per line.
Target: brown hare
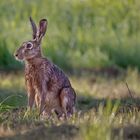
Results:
47 85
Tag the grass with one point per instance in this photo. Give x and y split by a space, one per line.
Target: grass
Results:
105 110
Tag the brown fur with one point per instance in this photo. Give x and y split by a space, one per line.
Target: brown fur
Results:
47 85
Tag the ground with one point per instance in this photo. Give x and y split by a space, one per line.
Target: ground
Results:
108 107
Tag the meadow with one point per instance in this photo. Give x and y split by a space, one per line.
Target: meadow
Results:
105 110
97 44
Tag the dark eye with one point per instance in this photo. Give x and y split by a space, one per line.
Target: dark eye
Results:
29 45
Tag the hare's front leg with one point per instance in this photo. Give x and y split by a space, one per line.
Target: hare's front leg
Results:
31 94
42 102
37 101
43 94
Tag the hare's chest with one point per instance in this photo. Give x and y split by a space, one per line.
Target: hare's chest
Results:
33 78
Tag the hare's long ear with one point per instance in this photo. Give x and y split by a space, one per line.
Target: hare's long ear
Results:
42 29
34 28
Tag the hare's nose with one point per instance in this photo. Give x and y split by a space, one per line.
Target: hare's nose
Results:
15 54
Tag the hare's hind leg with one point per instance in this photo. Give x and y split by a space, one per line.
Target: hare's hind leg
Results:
67 100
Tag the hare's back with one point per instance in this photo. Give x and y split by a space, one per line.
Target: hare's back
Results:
56 75
61 76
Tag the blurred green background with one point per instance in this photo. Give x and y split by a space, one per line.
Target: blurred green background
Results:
82 34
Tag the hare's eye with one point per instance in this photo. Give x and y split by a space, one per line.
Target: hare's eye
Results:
29 45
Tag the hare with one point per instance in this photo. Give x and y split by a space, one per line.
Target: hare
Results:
47 85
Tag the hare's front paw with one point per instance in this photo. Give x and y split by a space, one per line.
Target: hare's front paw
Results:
45 115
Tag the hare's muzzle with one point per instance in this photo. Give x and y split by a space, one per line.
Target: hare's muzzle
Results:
17 56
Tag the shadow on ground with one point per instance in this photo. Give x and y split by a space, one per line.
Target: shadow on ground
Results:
87 103
62 132
126 133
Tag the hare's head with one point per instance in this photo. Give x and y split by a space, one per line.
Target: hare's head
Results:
31 49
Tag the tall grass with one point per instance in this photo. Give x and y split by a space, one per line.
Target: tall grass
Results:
81 34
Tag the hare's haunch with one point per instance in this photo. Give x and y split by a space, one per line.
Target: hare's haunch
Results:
47 85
